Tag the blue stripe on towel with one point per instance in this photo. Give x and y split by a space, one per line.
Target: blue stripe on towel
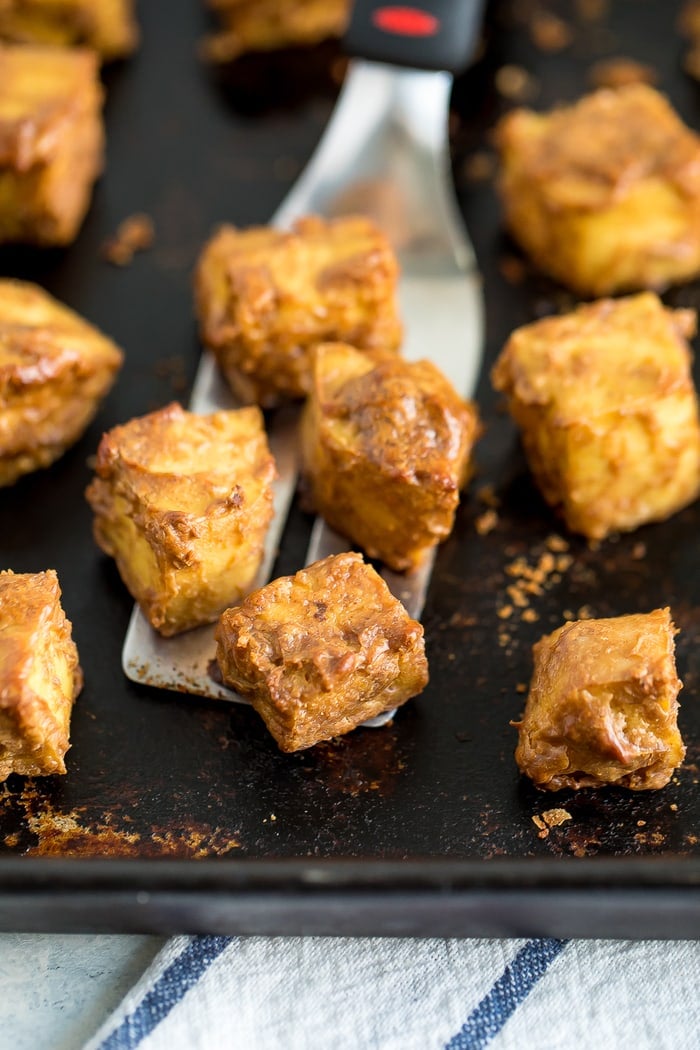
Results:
167 992
513 986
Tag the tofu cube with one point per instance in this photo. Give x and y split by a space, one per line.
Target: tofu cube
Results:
607 411
320 652
40 676
266 298
54 370
602 706
265 25
182 503
386 450
51 141
108 26
604 195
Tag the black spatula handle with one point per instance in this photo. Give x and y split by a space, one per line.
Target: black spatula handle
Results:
427 34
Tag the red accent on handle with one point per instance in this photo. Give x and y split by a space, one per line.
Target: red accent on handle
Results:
405 21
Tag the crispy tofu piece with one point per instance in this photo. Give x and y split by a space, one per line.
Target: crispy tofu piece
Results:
320 652
604 195
51 141
266 25
54 370
40 676
602 705
108 26
386 449
607 411
182 503
267 297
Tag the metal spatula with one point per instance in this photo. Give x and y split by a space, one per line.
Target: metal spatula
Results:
385 154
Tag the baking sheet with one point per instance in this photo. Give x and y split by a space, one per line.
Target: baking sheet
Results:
178 813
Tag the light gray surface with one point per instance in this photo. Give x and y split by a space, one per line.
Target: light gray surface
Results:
56 990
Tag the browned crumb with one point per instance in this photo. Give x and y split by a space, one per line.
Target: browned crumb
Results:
585 613
529 615
487 496
135 234
460 620
549 32
651 838
641 823
486 522
618 72
569 614
504 612
692 840
550 818
516 84
521 687
512 269
479 166
556 543
673 807
639 551
688 22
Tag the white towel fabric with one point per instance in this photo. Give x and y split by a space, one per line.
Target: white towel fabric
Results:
295 993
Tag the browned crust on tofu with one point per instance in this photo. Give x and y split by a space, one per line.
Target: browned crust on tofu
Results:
51 141
40 676
602 707
183 502
386 448
604 194
55 368
320 652
267 297
607 410
108 26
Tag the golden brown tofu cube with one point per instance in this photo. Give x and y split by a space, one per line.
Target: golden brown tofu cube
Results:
386 449
182 503
39 675
607 411
602 705
265 25
51 141
108 26
267 297
320 652
604 195
54 370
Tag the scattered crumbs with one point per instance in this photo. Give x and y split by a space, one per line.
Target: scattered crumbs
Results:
651 838
619 72
516 84
512 269
529 616
486 495
451 656
548 32
641 823
504 639
594 545
585 613
479 166
569 614
556 543
460 620
505 612
692 840
592 10
639 551
11 840
134 234
486 522
521 687
273 818
554 817
673 807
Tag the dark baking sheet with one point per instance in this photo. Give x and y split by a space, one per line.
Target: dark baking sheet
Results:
180 814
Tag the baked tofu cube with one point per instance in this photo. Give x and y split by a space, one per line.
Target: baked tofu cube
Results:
605 194
319 653
266 298
54 370
602 705
40 676
183 503
265 25
386 449
108 26
51 141
607 411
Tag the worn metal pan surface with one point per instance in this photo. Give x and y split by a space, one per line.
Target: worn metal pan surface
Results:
180 813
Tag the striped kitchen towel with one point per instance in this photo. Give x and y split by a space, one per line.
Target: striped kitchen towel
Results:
296 993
